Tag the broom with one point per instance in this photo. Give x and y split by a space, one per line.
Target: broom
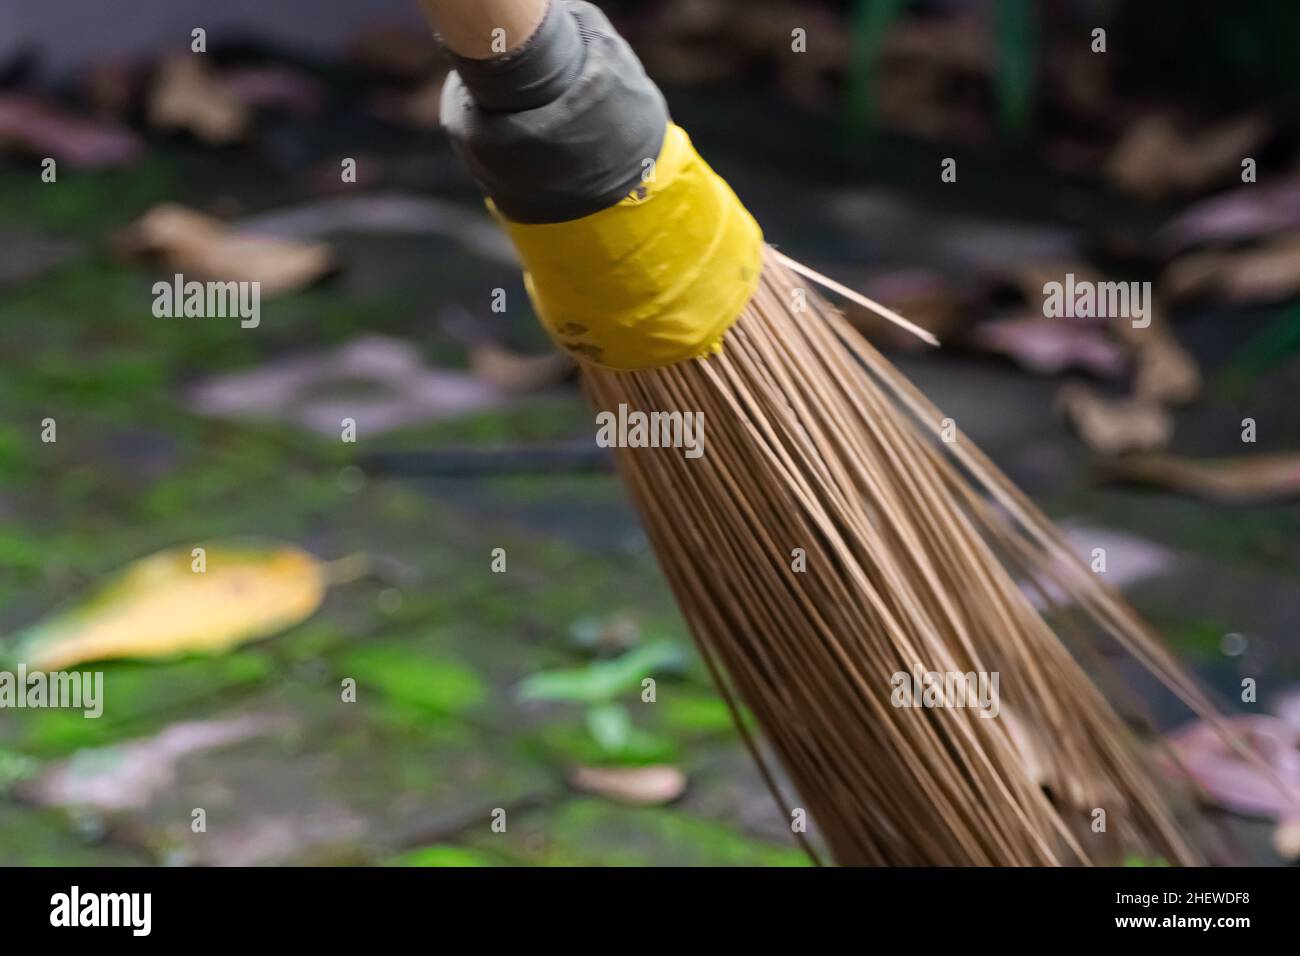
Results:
854 571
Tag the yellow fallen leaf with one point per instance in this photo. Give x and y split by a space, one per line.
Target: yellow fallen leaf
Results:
160 606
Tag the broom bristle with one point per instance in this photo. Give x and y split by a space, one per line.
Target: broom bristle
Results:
914 547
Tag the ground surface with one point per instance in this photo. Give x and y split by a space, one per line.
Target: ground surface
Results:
438 739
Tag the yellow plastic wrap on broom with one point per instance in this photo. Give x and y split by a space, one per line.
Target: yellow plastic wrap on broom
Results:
657 278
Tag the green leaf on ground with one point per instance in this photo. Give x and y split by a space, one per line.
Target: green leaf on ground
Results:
602 680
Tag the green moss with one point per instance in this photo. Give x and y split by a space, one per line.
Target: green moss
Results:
688 840
1262 535
541 418
26 552
443 855
137 697
591 832
86 202
13 448
218 482
307 642
425 725
115 380
1200 639
443 686
571 742
34 837
692 711
14 767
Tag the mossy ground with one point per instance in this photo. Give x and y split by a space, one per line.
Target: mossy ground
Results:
412 773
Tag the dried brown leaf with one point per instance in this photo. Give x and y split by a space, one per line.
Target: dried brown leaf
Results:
1166 372
275 86
39 128
1286 840
513 372
1115 426
925 298
188 95
1264 477
642 786
1051 346
1157 157
1250 211
203 247
1265 273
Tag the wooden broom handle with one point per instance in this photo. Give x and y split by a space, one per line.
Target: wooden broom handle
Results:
469 27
